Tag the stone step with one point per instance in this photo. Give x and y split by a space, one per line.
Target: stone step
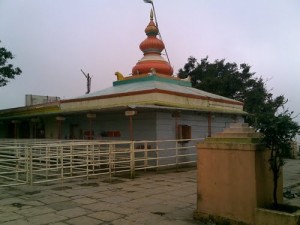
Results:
238 125
239 130
230 146
244 140
240 135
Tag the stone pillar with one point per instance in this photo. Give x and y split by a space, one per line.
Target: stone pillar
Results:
234 176
16 128
59 120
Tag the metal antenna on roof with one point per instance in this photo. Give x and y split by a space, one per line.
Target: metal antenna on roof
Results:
88 81
151 2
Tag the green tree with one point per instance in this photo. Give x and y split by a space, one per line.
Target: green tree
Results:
7 70
278 134
235 82
265 110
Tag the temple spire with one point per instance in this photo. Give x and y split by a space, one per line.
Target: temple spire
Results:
152 48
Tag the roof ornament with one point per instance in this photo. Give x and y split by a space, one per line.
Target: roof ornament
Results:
88 81
151 14
119 76
188 78
151 17
152 72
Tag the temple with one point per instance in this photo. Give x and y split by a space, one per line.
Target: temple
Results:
150 104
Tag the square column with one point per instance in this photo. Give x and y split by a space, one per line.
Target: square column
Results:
234 175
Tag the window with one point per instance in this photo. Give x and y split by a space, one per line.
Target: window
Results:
184 132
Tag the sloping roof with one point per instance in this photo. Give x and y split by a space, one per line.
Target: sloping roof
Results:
155 82
153 90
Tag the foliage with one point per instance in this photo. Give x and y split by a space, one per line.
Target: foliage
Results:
235 82
278 134
7 71
239 83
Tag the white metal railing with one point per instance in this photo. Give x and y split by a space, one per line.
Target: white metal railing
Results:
36 161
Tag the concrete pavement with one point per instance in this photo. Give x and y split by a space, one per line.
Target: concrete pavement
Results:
291 181
152 198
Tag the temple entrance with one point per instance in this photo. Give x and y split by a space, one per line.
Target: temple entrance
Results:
75 132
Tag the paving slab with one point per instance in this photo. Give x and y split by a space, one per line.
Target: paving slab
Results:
85 200
17 222
54 198
99 206
84 220
34 211
73 212
63 205
116 199
46 219
106 215
8 216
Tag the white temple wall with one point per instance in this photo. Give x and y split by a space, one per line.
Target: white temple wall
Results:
146 125
166 129
78 126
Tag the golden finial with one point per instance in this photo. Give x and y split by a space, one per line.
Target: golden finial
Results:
151 14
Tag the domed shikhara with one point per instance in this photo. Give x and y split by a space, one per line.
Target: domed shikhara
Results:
152 48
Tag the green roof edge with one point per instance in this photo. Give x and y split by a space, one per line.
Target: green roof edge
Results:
153 78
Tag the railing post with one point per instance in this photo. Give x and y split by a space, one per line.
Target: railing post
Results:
17 164
62 164
109 160
57 157
157 162
47 161
71 159
176 152
132 160
93 158
30 166
145 156
87 161
27 164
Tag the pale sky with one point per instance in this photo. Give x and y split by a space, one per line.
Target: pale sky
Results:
53 39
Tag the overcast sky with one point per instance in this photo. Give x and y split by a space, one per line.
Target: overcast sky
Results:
53 39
